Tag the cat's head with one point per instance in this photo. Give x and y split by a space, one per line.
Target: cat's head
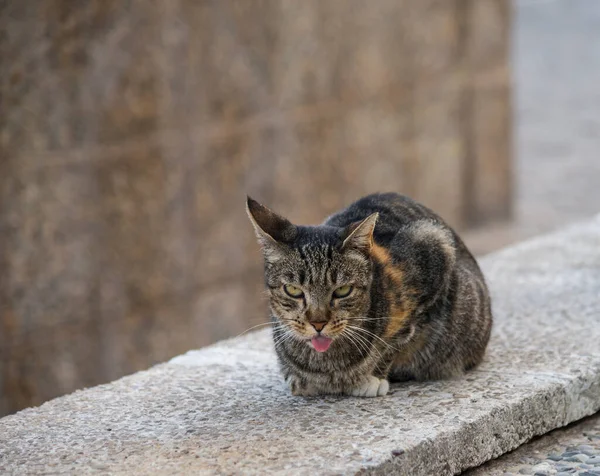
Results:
318 277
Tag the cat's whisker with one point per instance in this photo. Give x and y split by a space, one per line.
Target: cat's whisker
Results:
370 317
289 338
367 319
281 327
355 342
280 341
367 343
254 327
283 338
360 347
362 329
282 319
373 346
273 323
286 334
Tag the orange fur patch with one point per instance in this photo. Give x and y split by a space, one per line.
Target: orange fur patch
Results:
397 319
380 254
398 316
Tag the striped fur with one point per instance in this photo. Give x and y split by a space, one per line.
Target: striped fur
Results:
419 309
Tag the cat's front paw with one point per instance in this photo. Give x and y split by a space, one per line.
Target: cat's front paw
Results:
300 390
373 387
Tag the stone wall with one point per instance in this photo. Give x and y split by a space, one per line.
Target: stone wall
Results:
131 132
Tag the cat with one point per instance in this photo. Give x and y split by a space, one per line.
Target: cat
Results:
382 291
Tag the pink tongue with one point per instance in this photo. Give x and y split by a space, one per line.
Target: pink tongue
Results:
321 343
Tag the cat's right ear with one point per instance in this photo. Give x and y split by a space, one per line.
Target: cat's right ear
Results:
273 231
359 235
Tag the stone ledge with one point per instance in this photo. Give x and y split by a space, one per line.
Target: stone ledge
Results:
224 409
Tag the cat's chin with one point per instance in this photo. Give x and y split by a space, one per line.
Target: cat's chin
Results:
321 343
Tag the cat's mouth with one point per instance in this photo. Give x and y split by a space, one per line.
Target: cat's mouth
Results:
321 343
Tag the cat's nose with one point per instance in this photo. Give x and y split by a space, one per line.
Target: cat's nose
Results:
318 325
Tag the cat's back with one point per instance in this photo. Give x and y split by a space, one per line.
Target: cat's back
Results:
395 211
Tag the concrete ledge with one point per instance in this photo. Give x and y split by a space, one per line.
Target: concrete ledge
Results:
224 409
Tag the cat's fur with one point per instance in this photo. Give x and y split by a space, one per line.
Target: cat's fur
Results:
420 308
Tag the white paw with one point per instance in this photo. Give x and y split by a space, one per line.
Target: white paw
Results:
373 387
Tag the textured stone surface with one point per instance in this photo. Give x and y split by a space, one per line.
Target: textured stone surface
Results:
563 450
225 409
130 133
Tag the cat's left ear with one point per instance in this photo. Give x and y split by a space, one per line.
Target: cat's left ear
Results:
273 231
359 235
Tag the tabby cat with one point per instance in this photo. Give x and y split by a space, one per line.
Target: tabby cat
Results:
383 290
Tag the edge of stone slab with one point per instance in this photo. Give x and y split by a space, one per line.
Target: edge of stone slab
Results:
500 431
557 403
561 399
549 236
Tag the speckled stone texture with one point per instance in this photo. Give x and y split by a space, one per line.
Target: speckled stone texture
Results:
574 451
225 409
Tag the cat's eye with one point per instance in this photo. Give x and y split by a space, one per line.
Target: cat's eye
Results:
293 291
342 291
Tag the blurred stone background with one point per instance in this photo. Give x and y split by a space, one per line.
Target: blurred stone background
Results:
130 133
